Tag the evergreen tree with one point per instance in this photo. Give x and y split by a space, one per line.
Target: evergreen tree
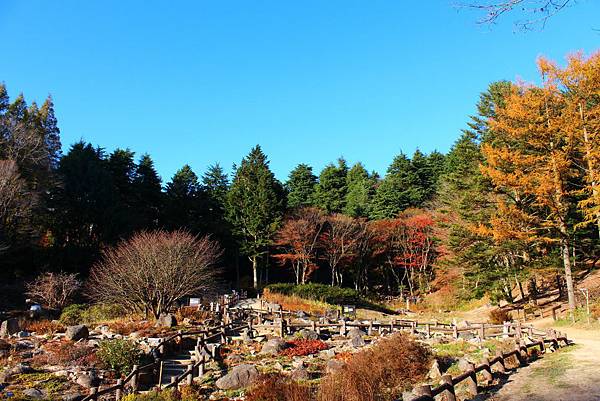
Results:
361 188
183 201
121 165
399 190
330 192
148 192
255 205
301 186
50 130
4 99
216 185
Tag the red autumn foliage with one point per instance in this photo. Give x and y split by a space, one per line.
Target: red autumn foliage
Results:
303 347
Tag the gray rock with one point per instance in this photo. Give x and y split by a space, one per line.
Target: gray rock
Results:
309 334
333 365
166 320
273 346
356 332
18 369
33 393
23 345
239 377
9 327
435 372
75 333
464 364
72 397
356 342
300 373
22 334
88 379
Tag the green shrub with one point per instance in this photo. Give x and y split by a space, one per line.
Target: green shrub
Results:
318 292
185 393
119 355
73 314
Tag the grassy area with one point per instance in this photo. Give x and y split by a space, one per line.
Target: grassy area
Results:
581 321
552 368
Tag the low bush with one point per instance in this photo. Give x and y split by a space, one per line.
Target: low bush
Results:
67 353
119 355
277 387
379 373
73 314
45 327
499 316
295 303
318 292
184 393
78 313
303 347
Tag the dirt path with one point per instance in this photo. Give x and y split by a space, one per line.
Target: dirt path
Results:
572 374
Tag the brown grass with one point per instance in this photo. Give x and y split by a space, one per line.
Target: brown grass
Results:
294 303
125 328
66 353
380 373
277 387
45 327
499 316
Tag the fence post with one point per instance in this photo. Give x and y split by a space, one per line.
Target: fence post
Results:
501 366
413 327
482 332
342 327
282 328
370 328
455 332
518 354
119 389
428 330
93 393
134 379
201 366
190 375
448 393
505 329
160 375
518 330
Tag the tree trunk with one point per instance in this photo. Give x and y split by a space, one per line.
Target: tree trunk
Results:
255 271
568 275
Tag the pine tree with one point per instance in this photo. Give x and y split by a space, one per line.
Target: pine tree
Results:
301 186
360 190
399 190
216 184
183 201
4 99
330 192
50 131
121 165
148 191
255 204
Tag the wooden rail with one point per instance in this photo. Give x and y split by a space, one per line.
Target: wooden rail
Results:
447 385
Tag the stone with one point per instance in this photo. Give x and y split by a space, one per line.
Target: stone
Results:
166 320
273 346
9 327
23 345
333 365
33 393
309 334
464 364
88 379
435 372
18 369
356 342
22 334
75 333
72 397
239 377
355 332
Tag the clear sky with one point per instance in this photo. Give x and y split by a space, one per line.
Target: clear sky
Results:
200 82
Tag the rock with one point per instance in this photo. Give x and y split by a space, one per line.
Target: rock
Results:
333 365
22 334
135 335
464 364
9 327
273 346
356 342
246 336
88 379
72 397
300 373
18 369
33 393
23 345
300 314
234 358
466 335
309 334
435 372
327 354
75 333
166 320
355 332
239 377
298 363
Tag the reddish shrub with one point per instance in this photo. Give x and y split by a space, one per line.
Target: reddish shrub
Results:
303 347
126 328
67 353
379 373
45 327
277 387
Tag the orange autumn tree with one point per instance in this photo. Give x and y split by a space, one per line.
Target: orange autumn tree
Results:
298 240
530 160
580 83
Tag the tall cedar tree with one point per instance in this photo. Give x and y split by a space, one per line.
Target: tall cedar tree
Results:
531 160
360 189
149 196
255 204
330 193
301 186
183 201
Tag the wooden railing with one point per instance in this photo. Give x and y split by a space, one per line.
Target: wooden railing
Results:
446 388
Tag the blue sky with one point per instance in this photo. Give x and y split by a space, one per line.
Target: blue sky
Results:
200 82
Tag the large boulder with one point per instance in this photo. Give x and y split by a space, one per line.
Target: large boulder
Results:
355 332
273 346
33 393
166 320
239 377
88 379
75 333
356 342
9 327
435 372
309 334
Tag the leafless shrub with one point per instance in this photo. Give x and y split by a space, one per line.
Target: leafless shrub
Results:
152 270
54 290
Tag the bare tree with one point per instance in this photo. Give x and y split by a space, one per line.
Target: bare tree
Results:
15 203
534 12
152 270
339 242
54 290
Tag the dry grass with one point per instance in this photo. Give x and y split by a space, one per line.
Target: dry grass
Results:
499 316
66 353
125 328
45 327
295 303
380 373
277 387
